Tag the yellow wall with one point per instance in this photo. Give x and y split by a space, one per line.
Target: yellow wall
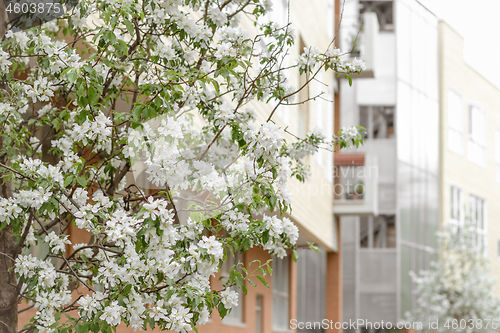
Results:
312 202
457 169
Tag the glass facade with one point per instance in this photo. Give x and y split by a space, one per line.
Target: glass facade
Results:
417 124
402 120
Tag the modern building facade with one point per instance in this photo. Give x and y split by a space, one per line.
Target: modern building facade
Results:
470 147
388 204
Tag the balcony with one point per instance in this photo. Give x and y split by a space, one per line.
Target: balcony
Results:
356 184
361 41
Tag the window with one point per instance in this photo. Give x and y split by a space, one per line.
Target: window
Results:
236 314
378 121
476 145
456 203
477 213
455 123
280 294
497 155
258 314
377 232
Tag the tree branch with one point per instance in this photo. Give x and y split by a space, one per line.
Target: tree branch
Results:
112 188
25 234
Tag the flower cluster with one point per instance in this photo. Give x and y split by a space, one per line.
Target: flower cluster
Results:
280 230
349 137
309 58
51 291
332 58
234 220
267 142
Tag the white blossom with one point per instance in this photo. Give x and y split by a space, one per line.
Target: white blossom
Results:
229 298
147 145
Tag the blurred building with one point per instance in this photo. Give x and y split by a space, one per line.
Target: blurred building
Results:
470 147
386 193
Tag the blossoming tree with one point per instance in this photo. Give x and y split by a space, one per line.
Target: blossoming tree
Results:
187 75
457 292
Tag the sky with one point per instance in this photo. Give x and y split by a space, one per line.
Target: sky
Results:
478 22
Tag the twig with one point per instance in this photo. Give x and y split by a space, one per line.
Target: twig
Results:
26 309
8 256
17 172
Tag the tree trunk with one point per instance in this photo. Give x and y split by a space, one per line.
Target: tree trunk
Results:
8 285
3 20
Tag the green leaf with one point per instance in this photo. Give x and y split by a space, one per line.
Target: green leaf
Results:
295 255
110 36
269 269
127 289
81 180
121 300
137 113
82 328
121 46
72 75
313 247
83 101
130 26
247 243
168 294
216 86
265 236
68 181
222 310
272 202
152 323
264 282
349 79
93 97
239 281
